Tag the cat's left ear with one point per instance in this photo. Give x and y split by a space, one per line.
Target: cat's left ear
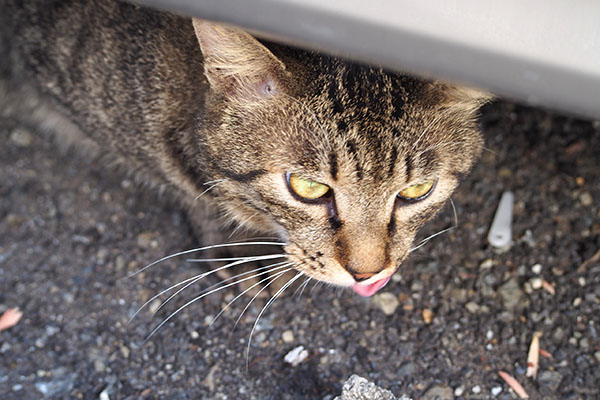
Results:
235 62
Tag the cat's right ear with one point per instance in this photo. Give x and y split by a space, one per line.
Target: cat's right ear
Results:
235 62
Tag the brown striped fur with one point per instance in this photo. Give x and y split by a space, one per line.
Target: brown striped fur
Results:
180 104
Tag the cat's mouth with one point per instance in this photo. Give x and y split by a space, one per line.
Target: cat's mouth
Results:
370 289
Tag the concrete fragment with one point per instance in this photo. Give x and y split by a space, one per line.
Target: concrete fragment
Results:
358 388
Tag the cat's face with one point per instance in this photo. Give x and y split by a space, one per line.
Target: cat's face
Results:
344 163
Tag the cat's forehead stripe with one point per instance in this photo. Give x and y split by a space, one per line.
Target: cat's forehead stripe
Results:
333 165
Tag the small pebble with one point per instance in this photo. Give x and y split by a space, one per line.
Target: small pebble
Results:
476 389
427 315
581 281
154 306
586 199
487 264
536 269
104 395
489 335
21 137
287 336
472 307
459 391
296 356
496 390
438 392
597 356
536 283
386 302
577 302
512 296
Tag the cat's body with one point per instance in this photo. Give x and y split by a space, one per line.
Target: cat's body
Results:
188 107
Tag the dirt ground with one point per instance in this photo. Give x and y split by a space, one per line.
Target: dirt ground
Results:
455 314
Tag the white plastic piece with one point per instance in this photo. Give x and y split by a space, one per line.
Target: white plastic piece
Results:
500 235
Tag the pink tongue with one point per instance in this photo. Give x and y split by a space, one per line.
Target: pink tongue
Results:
370 290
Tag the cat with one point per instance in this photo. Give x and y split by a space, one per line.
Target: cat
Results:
342 162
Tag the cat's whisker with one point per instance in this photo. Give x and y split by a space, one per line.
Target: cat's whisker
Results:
277 275
214 246
301 288
202 276
455 213
192 301
489 150
266 306
256 295
428 238
245 273
193 280
212 184
254 238
251 258
317 284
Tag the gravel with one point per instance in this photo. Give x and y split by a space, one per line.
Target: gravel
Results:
72 230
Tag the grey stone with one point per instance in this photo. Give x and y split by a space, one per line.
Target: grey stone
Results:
407 369
358 388
551 379
512 296
439 392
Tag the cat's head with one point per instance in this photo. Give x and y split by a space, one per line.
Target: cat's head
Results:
344 162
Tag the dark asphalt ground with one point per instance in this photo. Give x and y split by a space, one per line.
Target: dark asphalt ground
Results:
71 229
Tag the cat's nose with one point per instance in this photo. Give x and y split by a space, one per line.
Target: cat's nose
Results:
361 277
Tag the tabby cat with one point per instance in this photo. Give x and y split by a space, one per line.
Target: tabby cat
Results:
342 162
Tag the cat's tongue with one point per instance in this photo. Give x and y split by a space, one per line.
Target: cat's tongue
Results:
370 290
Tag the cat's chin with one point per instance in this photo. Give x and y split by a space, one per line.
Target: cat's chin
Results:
371 289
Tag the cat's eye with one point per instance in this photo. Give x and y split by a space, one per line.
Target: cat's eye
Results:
416 192
305 188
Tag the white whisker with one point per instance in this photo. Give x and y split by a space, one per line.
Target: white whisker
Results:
212 184
195 299
214 246
317 284
244 274
202 276
251 258
252 287
301 288
455 213
428 238
277 276
266 306
190 281
489 150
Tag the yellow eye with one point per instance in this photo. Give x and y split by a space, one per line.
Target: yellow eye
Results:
416 192
307 189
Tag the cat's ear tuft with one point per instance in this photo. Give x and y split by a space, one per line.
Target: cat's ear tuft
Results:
235 62
468 95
